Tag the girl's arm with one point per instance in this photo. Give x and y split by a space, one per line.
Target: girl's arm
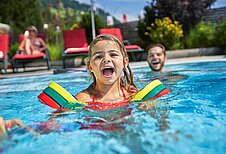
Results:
5 126
13 123
44 46
83 96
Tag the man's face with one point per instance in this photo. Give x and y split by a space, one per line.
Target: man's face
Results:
156 59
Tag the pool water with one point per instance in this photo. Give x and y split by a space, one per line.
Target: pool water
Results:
190 119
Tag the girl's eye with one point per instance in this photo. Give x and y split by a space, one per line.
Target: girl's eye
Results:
98 56
113 54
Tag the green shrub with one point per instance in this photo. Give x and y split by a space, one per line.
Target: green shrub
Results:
12 49
75 26
55 51
202 35
220 35
165 31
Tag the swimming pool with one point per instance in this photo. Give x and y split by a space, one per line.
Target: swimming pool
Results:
191 119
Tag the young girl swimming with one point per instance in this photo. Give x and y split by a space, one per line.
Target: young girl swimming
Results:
107 62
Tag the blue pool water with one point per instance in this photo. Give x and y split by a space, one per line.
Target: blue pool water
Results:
191 119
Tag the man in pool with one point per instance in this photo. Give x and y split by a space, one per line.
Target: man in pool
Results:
156 57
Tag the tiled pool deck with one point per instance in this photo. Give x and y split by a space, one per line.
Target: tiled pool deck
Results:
43 71
185 60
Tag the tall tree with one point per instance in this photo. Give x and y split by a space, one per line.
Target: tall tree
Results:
20 14
86 23
187 12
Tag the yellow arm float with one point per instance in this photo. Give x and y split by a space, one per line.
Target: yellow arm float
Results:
142 93
59 98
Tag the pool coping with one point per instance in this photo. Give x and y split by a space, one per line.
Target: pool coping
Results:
183 60
43 71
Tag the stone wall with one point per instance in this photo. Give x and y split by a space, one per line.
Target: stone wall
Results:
194 52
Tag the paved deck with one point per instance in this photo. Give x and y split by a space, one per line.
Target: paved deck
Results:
184 60
34 71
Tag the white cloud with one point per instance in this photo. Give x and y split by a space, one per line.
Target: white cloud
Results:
84 1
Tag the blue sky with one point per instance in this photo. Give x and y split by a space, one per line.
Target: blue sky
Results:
132 8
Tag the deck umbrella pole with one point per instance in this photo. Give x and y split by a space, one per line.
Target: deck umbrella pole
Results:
92 19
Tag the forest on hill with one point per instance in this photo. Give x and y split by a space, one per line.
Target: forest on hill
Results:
69 11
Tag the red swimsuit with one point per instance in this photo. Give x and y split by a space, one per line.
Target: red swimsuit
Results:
106 106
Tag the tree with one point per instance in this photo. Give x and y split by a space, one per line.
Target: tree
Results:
20 14
187 12
86 23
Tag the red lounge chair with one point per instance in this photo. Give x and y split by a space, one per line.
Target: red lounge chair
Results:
4 48
131 49
75 44
22 59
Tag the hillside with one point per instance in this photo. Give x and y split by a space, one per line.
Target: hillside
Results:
64 10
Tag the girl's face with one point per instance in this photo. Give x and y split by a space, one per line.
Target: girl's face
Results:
107 62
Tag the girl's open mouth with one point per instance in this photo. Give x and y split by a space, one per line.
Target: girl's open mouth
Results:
108 72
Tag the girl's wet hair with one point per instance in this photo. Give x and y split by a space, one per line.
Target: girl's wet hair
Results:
127 80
